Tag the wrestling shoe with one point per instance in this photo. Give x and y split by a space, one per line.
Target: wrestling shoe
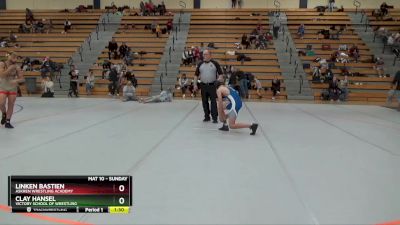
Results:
253 128
3 119
224 128
8 125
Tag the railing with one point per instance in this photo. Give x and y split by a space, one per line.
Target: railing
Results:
89 41
295 68
80 52
301 83
161 81
291 54
363 15
357 4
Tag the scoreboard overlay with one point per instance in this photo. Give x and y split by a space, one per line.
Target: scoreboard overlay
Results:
70 194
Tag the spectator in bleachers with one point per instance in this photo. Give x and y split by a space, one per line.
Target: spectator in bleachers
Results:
240 3
12 37
184 84
276 25
158 30
169 26
395 90
153 26
354 52
234 3
384 9
275 88
46 67
258 87
379 66
196 55
74 82
112 49
343 85
90 79
38 26
29 16
67 26
123 49
22 28
162 9
131 77
187 56
331 5
341 9
316 75
301 31
47 88
334 90
113 78
128 59
106 67
129 92
245 43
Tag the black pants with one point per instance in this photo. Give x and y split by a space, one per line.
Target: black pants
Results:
209 92
113 87
73 88
275 31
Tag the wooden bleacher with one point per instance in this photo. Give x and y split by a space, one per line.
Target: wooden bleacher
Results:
139 39
225 28
363 88
59 47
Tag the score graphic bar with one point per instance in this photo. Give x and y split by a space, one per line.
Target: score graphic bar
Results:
78 194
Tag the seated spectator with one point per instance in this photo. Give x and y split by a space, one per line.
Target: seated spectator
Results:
316 75
47 88
395 90
334 56
123 49
112 49
379 66
38 26
90 83
158 30
153 26
343 85
164 96
128 59
245 43
67 26
301 31
185 85
334 90
12 37
46 67
187 56
354 52
129 92
131 77
275 88
169 26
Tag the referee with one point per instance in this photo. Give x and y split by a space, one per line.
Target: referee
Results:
207 72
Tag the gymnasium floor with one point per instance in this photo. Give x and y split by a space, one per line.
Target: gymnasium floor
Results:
308 164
